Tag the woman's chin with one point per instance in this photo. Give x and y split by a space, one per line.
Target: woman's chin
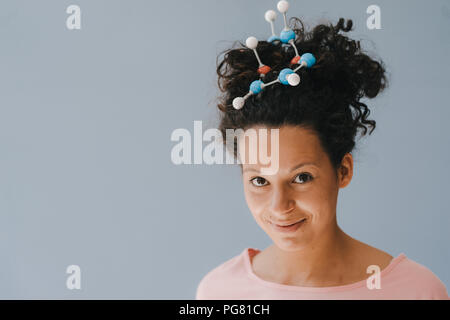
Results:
291 243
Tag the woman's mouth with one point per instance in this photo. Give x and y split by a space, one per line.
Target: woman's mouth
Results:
288 228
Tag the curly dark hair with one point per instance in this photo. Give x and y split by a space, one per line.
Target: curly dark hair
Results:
327 99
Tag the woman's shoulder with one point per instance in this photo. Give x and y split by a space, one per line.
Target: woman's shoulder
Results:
402 272
222 275
417 278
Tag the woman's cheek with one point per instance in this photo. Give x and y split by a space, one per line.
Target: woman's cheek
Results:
323 201
256 203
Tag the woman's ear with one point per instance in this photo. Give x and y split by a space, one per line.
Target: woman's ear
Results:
345 171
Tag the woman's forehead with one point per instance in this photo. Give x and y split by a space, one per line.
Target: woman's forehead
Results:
288 149
287 141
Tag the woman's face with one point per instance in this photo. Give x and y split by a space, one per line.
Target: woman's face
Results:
304 188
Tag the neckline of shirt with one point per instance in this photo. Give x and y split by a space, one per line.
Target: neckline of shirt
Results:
251 251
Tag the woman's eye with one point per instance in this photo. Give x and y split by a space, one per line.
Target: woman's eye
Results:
302 178
258 181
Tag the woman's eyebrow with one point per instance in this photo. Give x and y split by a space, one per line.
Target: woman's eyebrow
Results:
303 164
293 169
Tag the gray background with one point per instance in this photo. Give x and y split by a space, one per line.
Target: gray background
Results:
85 122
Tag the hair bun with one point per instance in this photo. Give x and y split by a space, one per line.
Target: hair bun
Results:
327 97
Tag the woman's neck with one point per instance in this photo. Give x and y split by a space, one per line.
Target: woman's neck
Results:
320 264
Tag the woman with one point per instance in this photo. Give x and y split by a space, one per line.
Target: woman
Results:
311 256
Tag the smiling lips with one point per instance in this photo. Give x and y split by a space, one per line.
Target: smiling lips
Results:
288 227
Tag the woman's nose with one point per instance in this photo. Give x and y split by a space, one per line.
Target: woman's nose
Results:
282 202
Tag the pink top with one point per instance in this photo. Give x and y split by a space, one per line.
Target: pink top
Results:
402 279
